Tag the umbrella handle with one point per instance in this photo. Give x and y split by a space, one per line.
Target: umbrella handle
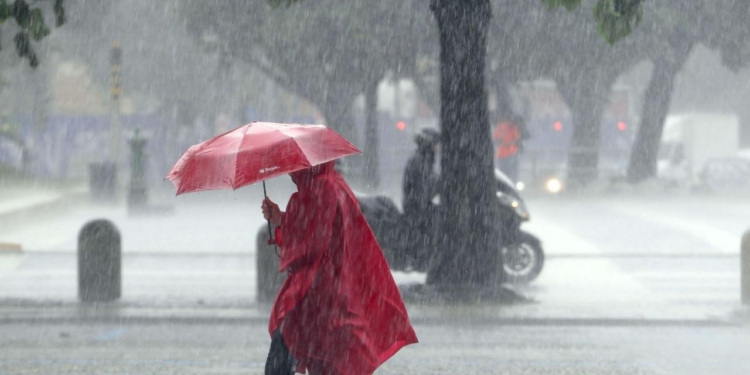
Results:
270 234
271 240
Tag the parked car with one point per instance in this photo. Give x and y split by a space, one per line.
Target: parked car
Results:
725 174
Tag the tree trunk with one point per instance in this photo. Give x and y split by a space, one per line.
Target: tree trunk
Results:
337 107
427 92
466 253
372 141
504 101
40 110
339 115
656 102
587 98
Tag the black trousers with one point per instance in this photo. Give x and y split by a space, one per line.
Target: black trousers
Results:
280 361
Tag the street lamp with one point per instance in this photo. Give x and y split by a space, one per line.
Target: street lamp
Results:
115 60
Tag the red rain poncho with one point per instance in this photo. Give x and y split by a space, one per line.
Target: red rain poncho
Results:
508 137
339 309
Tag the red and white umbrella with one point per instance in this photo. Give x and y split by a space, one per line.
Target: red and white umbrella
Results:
256 152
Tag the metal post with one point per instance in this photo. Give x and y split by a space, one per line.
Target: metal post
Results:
115 59
745 268
137 191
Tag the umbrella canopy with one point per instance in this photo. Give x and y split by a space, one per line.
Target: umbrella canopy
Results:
255 152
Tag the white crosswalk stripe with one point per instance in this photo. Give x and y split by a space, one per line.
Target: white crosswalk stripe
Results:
682 288
720 239
582 259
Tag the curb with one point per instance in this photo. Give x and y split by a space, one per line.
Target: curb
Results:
10 248
29 312
252 318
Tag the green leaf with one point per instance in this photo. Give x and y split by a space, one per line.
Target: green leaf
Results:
22 43
23 48
31 24
22 13
37 27
59 10
568 4
5 11
278 3
616 18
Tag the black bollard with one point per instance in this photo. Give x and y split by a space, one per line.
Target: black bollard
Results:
99 264
269 279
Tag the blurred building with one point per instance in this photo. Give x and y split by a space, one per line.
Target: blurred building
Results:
401 115
62 119
550 126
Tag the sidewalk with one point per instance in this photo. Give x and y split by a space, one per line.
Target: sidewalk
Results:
199 264
221 288
29 199
200 223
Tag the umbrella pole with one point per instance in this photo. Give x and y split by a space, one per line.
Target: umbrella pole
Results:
270 234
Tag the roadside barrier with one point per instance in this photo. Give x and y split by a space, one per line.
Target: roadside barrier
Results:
99 262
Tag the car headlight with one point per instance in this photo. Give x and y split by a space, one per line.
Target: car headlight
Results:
553 185
517 205
521 210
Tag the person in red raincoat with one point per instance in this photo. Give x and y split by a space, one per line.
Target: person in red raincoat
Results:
339 311
508 136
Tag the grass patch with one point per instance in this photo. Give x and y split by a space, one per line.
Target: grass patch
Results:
12 178
10 175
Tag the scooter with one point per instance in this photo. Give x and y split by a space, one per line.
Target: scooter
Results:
521 252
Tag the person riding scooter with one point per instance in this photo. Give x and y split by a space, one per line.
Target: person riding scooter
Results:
420 187
407 238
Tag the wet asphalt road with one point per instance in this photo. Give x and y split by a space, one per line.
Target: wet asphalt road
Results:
656 258
47 349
